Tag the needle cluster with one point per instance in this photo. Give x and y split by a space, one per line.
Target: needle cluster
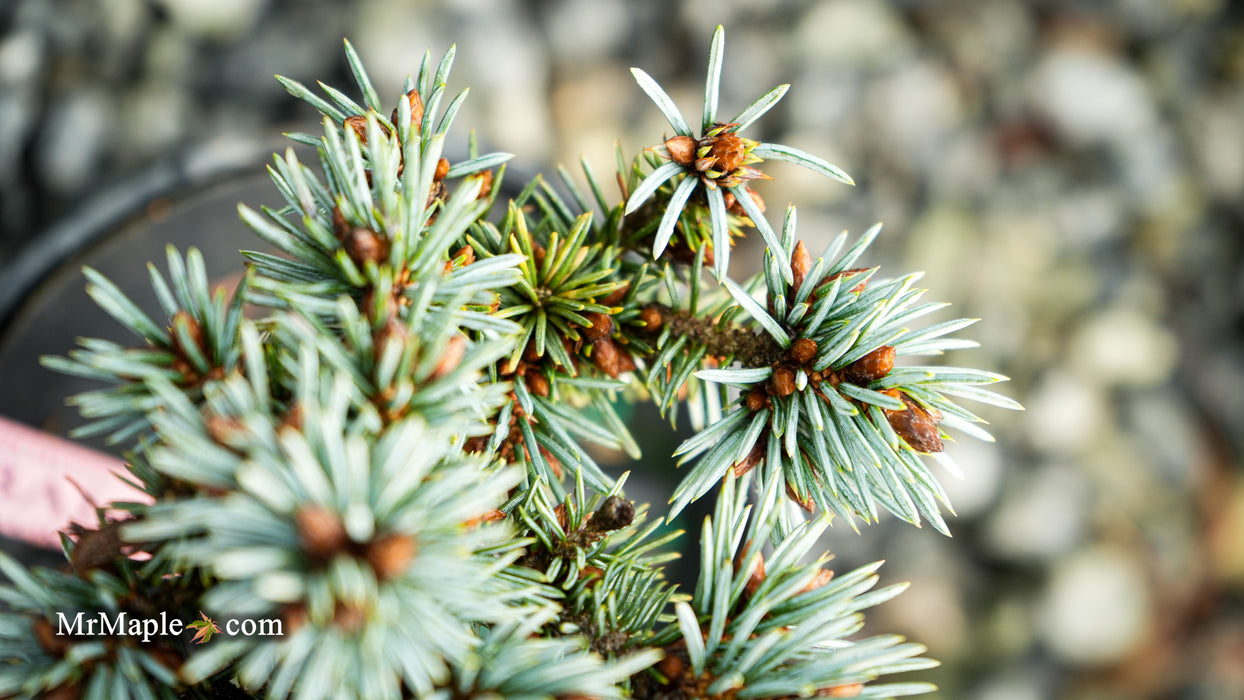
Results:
383 438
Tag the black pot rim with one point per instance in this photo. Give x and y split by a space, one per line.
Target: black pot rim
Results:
93 221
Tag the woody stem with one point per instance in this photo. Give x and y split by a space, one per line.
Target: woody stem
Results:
748 348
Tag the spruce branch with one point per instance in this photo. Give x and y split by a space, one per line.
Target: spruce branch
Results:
745 346
380 458
718 159
346 529
748 632
832 413
513 662
602 557
198 344
121 662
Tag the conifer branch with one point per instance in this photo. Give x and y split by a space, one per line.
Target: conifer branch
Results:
390 459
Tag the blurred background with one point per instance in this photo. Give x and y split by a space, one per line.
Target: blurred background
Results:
1070 172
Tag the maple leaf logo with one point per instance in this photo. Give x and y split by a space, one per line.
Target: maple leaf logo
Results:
205 628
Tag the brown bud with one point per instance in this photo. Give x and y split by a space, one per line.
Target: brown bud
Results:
391 555
915 425
682 149
554 463
478 443
455 350
72 691
611 358
537 255
349 618
442 169
293 417
466 253
508 368
757 398
833 379
416 112
364 245
626 363
437 193
800 264
672 666
491 516
293 617
530 354
870 367
752 460
614 514
358 123
393 330
186 370
563 519
650 316
806 502
605 358
591 572
822 577
191 328
537 384
848 274
222 429
757 576
728 150
321 532
802 351
616 296
782 383
848 690
709 255
48 640
601 325
95 548
340 226
737 209
485 184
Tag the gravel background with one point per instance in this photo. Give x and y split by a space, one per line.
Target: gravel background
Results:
1071 172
